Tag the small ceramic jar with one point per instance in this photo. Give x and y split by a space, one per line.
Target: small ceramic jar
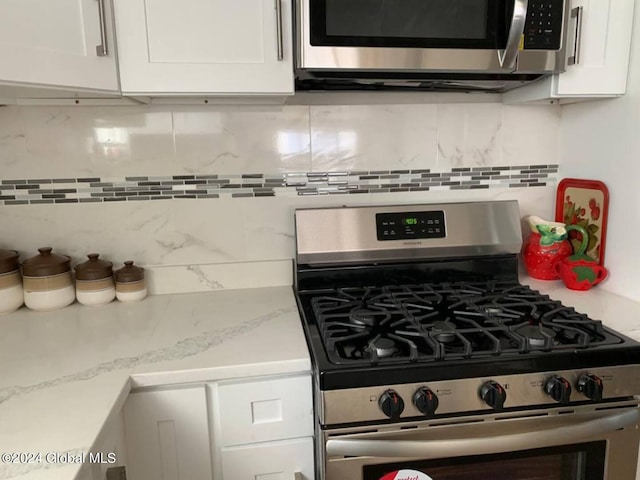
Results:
94 281
11 296
47 281
130 284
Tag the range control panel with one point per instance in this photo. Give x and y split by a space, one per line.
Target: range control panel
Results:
446 397
543 28
410 225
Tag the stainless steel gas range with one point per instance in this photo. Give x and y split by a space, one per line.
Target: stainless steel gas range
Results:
431 361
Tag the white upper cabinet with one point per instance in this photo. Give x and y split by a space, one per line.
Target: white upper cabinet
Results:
205 47
53 44
599 42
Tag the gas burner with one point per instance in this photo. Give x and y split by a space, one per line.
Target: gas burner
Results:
383 347
537 335
443 331
367 317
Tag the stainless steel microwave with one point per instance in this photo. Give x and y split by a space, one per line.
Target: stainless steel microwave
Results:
490 45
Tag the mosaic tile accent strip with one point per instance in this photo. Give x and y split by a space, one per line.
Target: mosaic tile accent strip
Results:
143 188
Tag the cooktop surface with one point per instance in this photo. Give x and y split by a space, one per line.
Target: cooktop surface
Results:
451 330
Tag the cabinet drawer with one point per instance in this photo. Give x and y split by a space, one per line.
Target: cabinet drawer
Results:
269 461
260 411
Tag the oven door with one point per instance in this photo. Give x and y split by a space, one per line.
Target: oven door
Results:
584 443
471 36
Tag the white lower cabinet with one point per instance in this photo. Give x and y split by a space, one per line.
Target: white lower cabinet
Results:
244 429
283 460
108 457
167 434
264 428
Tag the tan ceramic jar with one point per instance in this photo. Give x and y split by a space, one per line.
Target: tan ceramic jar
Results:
94 281
130 284
11 296
47 281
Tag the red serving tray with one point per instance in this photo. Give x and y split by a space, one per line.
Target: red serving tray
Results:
585 203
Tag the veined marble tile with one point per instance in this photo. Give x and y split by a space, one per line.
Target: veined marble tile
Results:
269 228
85 141
12 141
530 134
221 276
469 135
242 139
154 232
370 137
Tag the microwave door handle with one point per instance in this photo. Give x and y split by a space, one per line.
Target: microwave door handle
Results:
432 449
509 55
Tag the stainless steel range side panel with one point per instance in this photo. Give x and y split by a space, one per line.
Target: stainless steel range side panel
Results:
355 405
330 236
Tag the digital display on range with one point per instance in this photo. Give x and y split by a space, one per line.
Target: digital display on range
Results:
410 225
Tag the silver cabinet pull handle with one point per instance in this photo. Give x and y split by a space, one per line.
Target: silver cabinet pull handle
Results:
427 450
576 13
102 50
297 476
280 39
509 55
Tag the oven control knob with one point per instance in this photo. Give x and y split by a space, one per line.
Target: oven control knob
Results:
591 387
493 394
559 389
426 401
391 404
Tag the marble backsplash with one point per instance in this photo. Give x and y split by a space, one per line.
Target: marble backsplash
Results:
179 236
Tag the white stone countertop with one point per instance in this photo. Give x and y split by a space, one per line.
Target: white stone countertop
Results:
64 373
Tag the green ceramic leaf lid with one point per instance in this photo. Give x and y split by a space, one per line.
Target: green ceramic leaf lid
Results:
129 273
45 264
8 261
94 268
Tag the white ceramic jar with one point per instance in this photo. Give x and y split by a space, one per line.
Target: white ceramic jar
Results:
130 283
11 296
94 281
47 282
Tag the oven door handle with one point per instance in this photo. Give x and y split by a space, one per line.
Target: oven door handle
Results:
509 55
431 449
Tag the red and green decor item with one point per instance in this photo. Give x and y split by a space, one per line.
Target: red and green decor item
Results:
546 245
548 255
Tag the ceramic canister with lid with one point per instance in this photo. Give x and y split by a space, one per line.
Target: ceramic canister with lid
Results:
47 281
130 284
94 281
11 296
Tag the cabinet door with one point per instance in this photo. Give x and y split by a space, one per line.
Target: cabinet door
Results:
205 47
53 43
285 460
109 451
167 435
603 47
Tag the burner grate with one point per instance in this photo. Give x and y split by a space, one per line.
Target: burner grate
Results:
437 322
